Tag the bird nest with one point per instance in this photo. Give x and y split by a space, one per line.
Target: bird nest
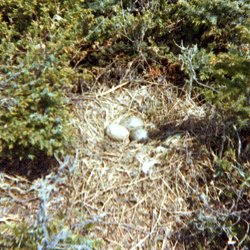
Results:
144 189
137 195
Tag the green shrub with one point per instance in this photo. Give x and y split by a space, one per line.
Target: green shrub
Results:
215 54
231 78
37 42
35 75
33 113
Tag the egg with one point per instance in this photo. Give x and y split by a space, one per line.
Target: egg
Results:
140 135
132 123
117 132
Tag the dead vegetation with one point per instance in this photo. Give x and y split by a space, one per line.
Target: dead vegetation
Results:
142 194
142 208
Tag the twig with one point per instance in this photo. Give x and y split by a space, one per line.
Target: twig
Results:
113 89
187 57
239 140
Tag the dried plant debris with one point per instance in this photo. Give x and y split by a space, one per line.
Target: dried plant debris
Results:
126 194
145 189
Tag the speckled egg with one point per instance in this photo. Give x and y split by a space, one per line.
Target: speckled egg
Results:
117 132
140 135
132 123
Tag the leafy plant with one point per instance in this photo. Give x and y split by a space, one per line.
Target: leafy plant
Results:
33 116
231 79
35 76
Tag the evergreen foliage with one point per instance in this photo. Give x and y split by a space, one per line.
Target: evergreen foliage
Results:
33 113
35 74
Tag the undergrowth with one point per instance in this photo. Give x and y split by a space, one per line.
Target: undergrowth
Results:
49 228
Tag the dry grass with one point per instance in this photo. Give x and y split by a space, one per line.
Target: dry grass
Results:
142 210
137 210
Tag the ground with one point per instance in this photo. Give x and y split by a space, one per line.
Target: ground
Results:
134 208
